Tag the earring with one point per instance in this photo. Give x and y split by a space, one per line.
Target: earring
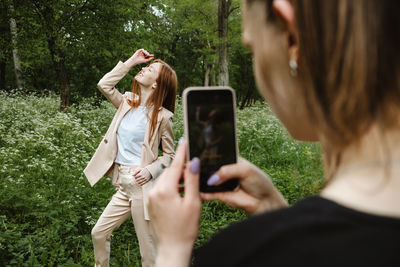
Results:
293 67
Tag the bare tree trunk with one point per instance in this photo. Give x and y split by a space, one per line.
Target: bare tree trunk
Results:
58 59
208 68
207 74
223 13
56 53
3 74
64 84
14 38
4 43
213 79
246 99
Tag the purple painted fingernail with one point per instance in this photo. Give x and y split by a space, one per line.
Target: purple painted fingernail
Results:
195 165
213 179
181 140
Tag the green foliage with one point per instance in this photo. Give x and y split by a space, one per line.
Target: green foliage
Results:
47 208
295 167
91 36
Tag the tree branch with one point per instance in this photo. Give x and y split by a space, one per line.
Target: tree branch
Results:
233 9
73 13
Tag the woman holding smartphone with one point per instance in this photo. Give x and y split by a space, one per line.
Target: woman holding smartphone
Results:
129 151
330 71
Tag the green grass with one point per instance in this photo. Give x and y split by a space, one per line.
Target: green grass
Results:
47 208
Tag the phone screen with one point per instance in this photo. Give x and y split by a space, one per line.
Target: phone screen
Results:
211 133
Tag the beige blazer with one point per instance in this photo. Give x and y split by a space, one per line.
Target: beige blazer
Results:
102 162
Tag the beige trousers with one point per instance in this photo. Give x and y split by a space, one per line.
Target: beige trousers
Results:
126 202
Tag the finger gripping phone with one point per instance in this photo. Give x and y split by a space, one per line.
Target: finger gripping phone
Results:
210 129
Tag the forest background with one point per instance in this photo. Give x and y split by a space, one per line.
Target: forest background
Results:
52 116
66 46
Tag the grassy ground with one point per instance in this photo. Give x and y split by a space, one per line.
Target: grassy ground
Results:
47 208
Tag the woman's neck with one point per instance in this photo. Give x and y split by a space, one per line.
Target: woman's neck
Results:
368 178
145 92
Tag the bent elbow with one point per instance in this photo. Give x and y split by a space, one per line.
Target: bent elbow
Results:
100 85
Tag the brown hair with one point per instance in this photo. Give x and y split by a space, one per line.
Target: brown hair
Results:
162 96
348 52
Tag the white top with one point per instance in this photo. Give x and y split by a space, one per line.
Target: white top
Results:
130 136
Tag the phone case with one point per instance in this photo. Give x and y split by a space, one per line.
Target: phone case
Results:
230 185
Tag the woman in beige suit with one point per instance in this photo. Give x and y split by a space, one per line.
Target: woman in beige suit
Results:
129 151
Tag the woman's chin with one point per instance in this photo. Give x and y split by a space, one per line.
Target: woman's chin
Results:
139 80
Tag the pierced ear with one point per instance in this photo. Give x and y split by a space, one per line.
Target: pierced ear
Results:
294 52
284 9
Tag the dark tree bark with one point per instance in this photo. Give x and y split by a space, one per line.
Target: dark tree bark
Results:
47 16
4 43
246 99
58 59
223 14
3 74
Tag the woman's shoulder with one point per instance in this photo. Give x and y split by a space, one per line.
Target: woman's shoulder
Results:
263 226
131 96
165 113
313 224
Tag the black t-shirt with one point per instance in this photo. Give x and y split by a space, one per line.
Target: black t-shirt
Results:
314 232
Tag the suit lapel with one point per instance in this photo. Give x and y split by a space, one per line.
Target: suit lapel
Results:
147 149
159 118
123 109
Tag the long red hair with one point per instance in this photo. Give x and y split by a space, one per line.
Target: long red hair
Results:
162 96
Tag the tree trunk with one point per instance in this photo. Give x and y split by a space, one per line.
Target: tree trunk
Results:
213 79
4 43
207 75
64 85
58 58
17 61
223 13
246 99
3 73
208 68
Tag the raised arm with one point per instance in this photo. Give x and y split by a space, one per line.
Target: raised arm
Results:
107 84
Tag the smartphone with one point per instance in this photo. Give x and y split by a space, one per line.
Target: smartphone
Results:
210 129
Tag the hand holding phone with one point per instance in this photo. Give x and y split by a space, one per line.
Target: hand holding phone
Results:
256 193
210 129
171 212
